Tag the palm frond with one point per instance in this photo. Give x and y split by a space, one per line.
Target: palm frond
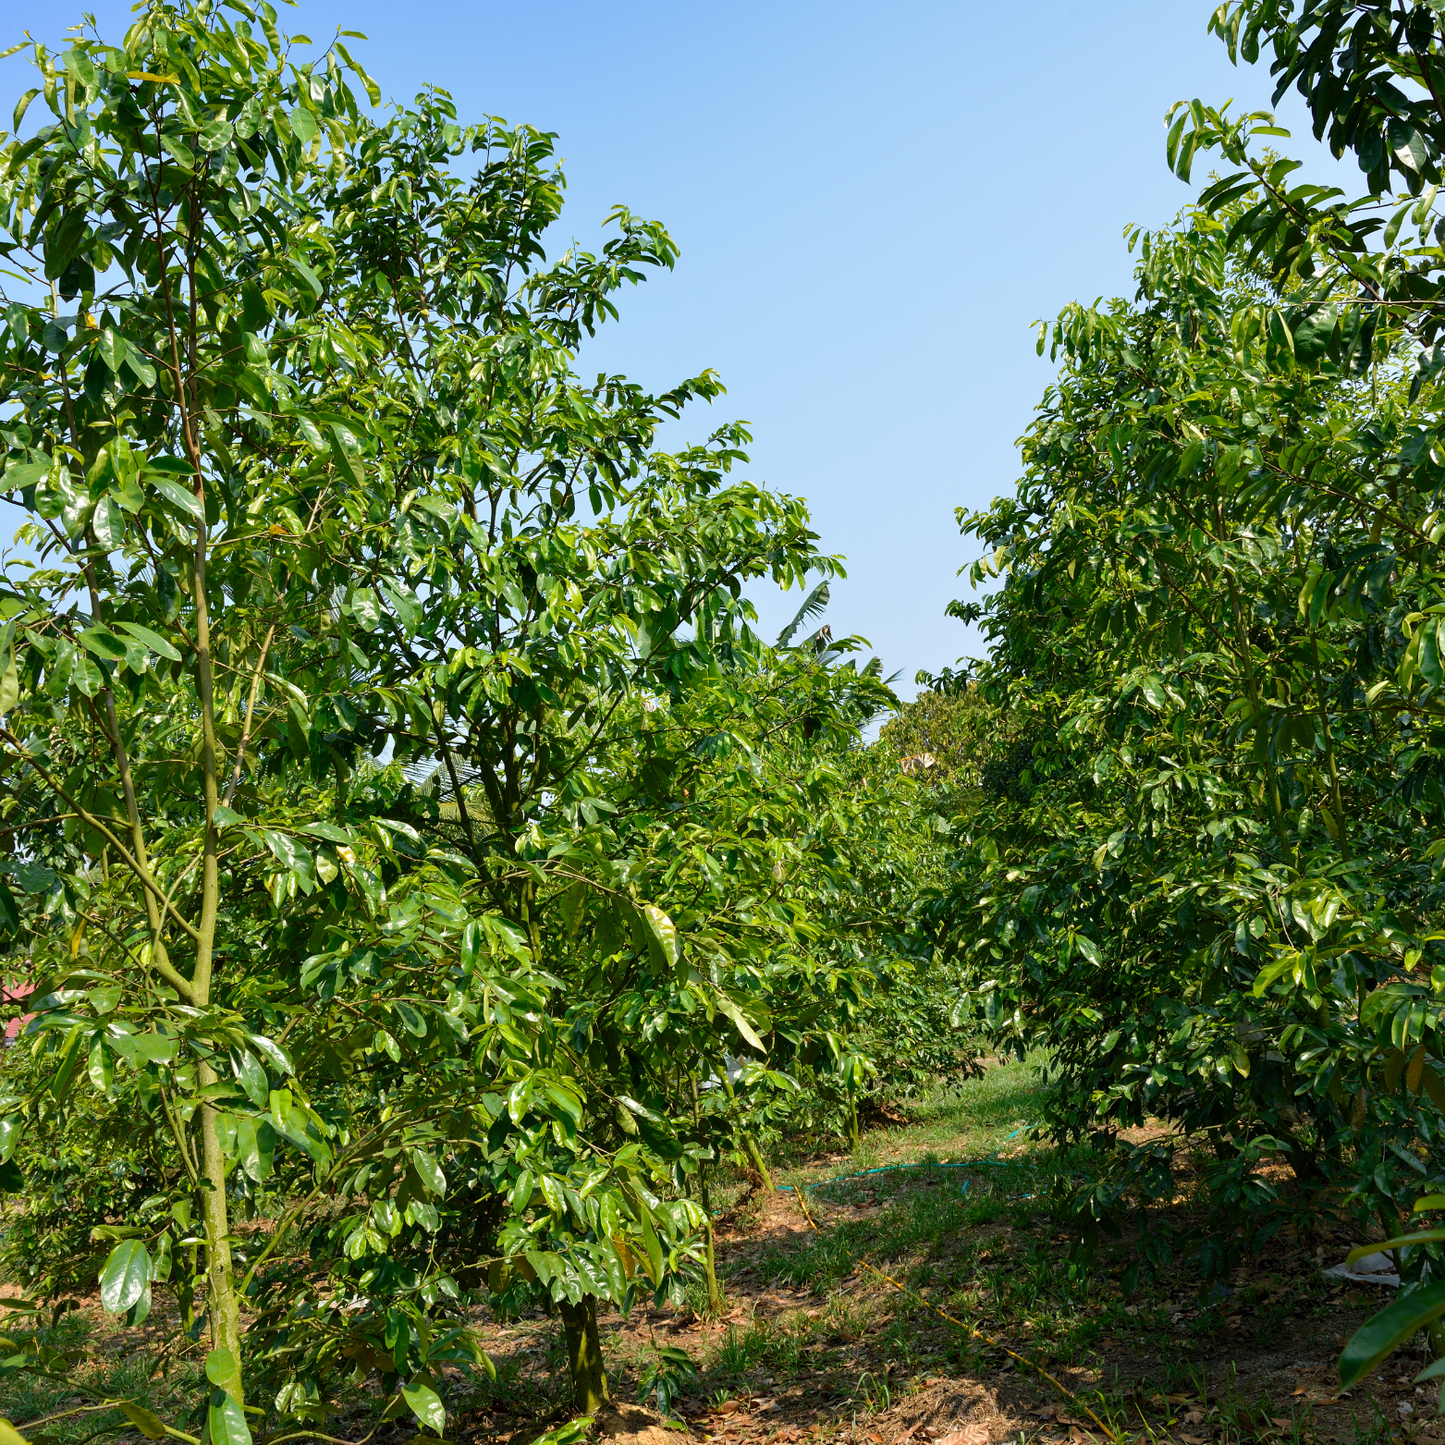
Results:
813 604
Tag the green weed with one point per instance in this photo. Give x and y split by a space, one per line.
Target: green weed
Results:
167 1387
845 1322
762 1345
742 1350
694 1298
873 1392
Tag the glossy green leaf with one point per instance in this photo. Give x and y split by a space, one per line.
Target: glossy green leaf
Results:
149 1424
252 1077
428 1171
1425 1236
1387 1330
179 497
220 1366
225 1421
108 523
151 639
424 1403
102 643
729 1009
125 1276
661 936
303 125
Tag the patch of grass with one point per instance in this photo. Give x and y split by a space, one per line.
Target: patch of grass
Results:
1183 1403
104 1362
694 1299
959 1238
873 1392
845 1321
969 1122
760 1345
983 1242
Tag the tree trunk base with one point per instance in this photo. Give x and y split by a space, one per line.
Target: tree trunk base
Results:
584 1355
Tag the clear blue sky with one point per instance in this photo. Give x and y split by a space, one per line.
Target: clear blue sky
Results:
873 202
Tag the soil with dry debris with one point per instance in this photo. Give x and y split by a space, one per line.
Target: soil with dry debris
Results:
1262 1368
813 1347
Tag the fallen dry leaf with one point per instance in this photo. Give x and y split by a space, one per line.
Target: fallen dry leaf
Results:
729 1407
969 1435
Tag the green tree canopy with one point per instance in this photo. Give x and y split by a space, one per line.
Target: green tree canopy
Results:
407 818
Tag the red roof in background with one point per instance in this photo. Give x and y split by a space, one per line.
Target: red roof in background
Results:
11 993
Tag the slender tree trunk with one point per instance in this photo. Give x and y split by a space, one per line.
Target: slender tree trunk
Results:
584 1355
224 1305
225 1308
756 1155
222 1299
750 1145
709 1259
714 1293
